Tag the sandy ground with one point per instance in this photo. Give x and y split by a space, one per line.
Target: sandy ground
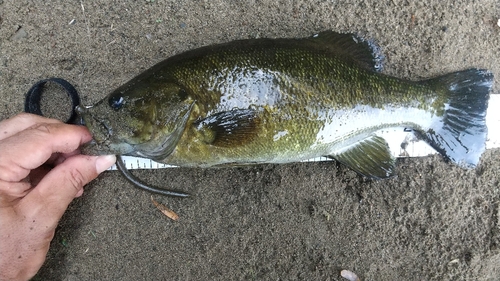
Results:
274 222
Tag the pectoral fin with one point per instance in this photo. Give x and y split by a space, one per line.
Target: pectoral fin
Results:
229 128
370 157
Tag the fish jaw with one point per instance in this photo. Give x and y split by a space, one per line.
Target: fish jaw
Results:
101 143
100 132
94 148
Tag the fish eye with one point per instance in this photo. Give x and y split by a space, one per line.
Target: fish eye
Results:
182 94
116 102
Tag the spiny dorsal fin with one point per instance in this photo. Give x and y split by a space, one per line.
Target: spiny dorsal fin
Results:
350 46
229 128
370 157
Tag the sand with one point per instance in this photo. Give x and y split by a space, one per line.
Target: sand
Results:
308 221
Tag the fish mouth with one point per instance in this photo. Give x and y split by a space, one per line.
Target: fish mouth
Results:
99 129
103 141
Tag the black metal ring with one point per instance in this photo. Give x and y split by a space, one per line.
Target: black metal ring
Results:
32 103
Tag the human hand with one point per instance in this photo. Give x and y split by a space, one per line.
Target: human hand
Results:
41 172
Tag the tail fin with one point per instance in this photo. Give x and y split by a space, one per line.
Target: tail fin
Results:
461 135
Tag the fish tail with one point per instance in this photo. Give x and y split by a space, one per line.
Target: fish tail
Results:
461 134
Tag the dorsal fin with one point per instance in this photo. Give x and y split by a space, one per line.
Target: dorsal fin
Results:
350 46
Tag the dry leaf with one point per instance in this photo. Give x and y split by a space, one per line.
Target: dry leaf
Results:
166 211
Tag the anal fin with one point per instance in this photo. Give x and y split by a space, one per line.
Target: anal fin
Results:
370 157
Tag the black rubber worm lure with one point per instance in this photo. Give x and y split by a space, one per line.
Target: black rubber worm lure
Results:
32 105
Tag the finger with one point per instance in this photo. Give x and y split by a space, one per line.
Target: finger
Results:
51 197
13 190
58 158
10 191
32 147
36 175
20 122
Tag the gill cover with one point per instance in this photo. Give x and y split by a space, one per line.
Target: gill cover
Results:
163 145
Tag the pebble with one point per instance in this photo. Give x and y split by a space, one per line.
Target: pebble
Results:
20 33
349 275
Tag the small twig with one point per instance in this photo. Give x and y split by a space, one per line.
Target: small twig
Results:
166 211
85 17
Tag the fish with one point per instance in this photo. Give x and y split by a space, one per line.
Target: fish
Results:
285 100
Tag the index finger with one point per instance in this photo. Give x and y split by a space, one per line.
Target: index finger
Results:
32 147
20 122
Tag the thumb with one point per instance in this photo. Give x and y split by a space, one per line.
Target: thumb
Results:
51 197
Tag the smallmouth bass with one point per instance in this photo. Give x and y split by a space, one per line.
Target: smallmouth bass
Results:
287 100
